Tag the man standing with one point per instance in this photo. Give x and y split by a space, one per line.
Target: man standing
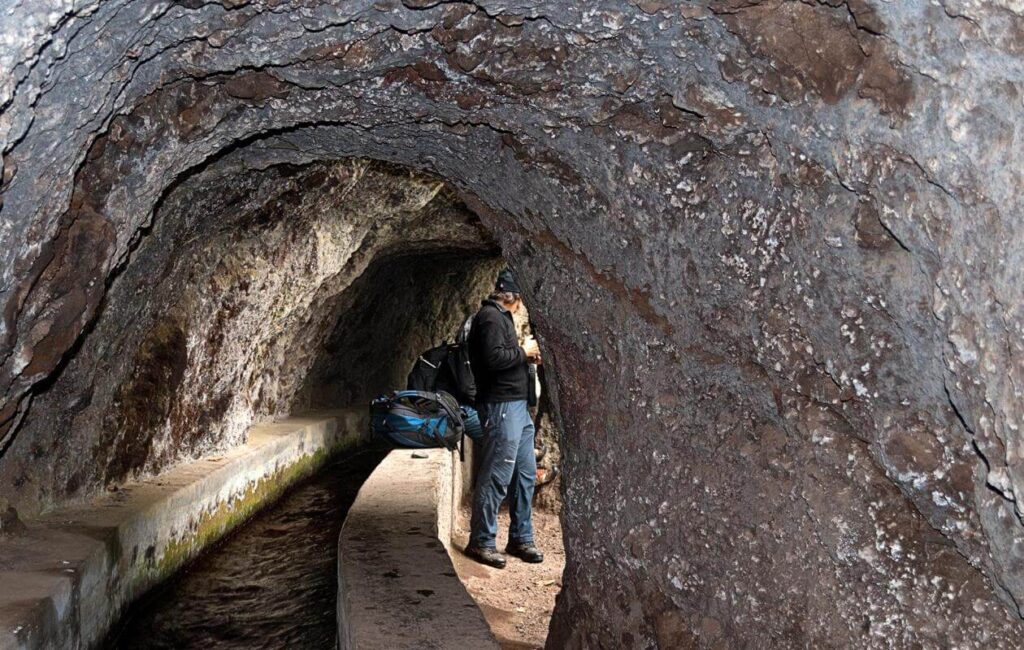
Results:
508 465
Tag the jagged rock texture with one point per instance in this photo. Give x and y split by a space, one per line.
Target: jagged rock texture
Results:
226 311
772 249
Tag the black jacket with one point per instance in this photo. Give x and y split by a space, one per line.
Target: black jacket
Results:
499 364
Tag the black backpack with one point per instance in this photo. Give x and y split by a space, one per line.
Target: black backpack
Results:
446 368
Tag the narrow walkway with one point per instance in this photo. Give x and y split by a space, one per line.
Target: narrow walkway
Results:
517 601
397 587
271 584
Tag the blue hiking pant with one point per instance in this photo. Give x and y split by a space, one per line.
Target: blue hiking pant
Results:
471 422
508 466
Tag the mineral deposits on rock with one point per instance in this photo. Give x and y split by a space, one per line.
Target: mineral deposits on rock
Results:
772 250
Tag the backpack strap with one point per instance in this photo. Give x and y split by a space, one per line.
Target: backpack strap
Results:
463 334
424 360
451 408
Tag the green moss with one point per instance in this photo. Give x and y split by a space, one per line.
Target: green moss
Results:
213 525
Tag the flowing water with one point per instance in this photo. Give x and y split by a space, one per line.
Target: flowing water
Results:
271 584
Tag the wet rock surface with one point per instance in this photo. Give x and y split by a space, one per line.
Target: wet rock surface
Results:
10 524
771 248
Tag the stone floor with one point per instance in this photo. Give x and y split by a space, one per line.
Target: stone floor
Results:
397 586
517 601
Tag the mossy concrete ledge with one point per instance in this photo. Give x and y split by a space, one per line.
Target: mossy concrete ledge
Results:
67 577
397 588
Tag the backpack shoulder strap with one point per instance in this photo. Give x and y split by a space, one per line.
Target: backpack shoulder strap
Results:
450 407
422 358
463 334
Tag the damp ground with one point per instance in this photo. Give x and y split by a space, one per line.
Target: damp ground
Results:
517 601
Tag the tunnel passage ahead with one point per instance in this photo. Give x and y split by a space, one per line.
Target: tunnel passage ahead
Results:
779 283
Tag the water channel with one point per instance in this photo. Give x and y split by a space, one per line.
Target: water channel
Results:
270 584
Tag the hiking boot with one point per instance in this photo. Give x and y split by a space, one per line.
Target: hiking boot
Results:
488 556
526 552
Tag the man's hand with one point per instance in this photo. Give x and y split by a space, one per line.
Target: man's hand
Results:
531 349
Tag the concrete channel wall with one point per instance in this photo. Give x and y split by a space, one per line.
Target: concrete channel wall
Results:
67 578
397 588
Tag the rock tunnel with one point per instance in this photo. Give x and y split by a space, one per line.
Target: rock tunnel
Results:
772 250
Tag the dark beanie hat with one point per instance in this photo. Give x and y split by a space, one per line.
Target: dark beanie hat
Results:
507 282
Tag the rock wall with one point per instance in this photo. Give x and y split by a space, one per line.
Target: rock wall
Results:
399 307
223 313
771 248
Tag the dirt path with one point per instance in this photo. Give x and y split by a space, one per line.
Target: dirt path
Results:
517 601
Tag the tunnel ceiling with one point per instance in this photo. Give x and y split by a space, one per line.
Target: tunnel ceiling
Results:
772 249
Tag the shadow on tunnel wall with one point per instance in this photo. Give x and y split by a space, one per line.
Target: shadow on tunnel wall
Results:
401 305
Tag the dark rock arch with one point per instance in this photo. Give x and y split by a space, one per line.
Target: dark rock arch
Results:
773 246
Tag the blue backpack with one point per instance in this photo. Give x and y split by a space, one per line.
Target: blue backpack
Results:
417 419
